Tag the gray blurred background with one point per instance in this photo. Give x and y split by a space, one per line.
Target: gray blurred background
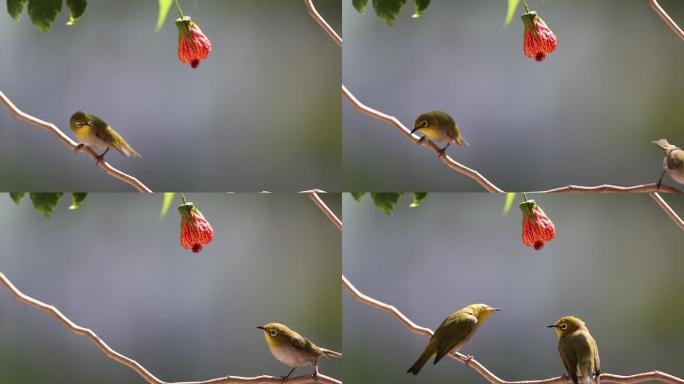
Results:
115 267
584 116
616 263
262 112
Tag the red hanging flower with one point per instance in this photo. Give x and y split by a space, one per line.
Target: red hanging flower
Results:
193 45
195 230
537 228
539 39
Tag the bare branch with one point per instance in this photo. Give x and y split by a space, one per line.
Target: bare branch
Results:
134 365
324 24
612 188
668 210
666 18
481 369
108 169
325 209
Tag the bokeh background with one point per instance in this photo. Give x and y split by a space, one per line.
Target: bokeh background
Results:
262 113
584 116
616 263
115 267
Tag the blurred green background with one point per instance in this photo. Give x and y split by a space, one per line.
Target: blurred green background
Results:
616 263
584 116
262 113
115 267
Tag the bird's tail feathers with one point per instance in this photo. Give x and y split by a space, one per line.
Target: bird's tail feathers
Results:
130 152
418 365
461 141
330 353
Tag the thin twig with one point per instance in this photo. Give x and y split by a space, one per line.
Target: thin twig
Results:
134 365
108 169
325 209
481 369
607 188
324 24
668 210
666 18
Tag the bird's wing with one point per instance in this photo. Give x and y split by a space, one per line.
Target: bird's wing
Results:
454 332
301 343
675 159
568 356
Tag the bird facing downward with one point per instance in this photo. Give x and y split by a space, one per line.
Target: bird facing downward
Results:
578 350
292 349
439 126
673 163
453 333
96 133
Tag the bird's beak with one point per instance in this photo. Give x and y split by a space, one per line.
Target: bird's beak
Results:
551 326
496 309
262 328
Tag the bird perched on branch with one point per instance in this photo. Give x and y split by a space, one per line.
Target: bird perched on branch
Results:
578 350
439 126
293 349
96 133
673 163
453 333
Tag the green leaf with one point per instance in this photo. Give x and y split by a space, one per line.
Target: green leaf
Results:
14 8
418 198
76 9
44 12
421 6
168 199
17 197
510 198
512 5
385 201
77 199
358 196
164 7
45 203
360 5
387 10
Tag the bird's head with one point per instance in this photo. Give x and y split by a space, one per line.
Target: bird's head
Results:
276 334
78 120
567 325
664 145
481 311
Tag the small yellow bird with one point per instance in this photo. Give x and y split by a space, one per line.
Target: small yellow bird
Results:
578 350
453 333
439 126
673 163
293 349
96 133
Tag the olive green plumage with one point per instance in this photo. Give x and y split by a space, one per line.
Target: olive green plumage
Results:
453 333
293 349
578 350
96 133
439 126
673 163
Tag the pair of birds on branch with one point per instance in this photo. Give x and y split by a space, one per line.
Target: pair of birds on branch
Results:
440 126
577 348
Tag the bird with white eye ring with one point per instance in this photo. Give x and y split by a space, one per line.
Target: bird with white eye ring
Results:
438 126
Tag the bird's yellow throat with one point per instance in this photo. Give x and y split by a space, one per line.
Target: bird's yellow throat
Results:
83 132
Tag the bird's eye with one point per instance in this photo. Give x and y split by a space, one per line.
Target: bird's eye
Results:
424 124
273 333
79 125
564 326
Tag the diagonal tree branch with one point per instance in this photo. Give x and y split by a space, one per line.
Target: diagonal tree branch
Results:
666 18
108 169
481 369
313 195
324 24
137 367
668 210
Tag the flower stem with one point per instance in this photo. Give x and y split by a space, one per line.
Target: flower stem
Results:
180 10
527 9
183 197
525 196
